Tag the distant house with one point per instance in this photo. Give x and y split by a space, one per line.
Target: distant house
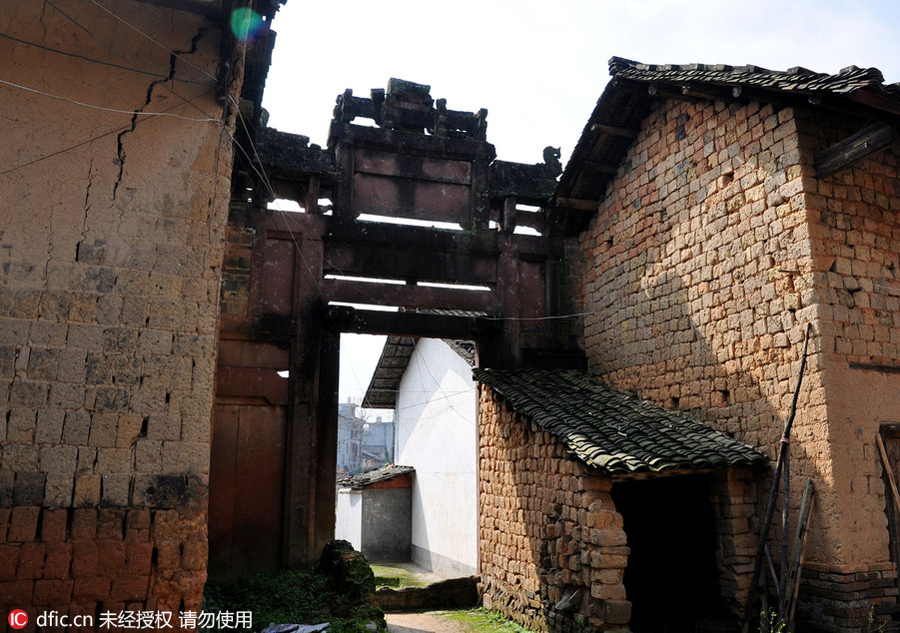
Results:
373 513
429 384
363 445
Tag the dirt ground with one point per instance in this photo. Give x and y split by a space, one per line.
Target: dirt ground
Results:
428 622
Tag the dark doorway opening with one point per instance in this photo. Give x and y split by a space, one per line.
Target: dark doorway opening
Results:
671 580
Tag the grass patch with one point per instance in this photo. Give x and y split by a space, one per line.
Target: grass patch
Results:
395 577
300 596
481 620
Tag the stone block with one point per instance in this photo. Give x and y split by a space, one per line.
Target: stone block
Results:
20 427
103 429
138 557
94 589
84 524
112 555
23 524
58 560
59 459
52 593
76 428
87 491
9 561
85 559
29 394
129 588
31 561
53 525
110 524
29 488
115 490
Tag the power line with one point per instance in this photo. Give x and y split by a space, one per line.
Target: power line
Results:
162 46
77 145
149 73
105 109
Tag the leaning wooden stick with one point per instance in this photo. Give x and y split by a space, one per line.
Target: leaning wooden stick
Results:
798 552
773 494
890 472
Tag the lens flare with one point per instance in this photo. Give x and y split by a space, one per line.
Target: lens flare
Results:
245 23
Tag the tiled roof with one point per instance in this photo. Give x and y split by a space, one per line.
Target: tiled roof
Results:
797 79
628 98
385 473
613 430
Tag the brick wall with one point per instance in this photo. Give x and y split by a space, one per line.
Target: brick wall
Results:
712 250
550 529
111 250
693 267
854 217
548 526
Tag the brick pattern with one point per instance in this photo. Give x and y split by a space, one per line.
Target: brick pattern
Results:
88 560
711 251
838 598
688 266
108 310
548 526
856 235
734 499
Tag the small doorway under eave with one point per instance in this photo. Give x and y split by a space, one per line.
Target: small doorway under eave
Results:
672 579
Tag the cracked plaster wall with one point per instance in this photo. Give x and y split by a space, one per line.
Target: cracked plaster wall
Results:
111 249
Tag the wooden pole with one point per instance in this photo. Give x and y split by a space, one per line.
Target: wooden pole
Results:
890 472
798 553
773 494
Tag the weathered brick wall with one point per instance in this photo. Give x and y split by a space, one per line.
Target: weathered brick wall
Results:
548 526
111 249
693 269
854 218
712 250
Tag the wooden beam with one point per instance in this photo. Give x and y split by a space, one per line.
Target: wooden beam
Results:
843 154
408 296
578 205
877 101
614 130
410 323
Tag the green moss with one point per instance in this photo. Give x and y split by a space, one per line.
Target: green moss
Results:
483 621
392 576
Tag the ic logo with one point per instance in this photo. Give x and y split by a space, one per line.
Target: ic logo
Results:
18 619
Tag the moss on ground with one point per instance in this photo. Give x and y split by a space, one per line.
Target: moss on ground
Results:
483 621
395 577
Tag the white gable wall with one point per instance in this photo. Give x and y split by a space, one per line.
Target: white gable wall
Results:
435 426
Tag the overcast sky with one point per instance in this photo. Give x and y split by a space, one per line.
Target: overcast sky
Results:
540 66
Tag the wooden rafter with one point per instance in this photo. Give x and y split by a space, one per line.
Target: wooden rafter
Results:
841 155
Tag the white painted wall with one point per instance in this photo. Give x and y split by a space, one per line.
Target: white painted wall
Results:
348 524
436 433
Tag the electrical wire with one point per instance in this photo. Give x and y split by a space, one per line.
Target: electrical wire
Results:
81 144
100 61
162 46
104 109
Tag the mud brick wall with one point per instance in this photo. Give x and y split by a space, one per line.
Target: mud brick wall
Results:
855 230
111 253
714 247
548 526
696 266
734 500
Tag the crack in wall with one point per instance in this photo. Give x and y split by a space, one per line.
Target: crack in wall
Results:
173 59
87 207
